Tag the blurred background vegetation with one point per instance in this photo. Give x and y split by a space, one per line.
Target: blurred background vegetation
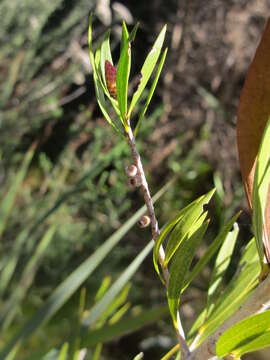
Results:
75 179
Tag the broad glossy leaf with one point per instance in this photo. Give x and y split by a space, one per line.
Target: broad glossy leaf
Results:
180 264
260 199
148 67
151 92
184 225
253 114
122 76
222 262
211 250
250 334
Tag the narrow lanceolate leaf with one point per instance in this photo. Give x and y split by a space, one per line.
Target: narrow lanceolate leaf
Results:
235 293
180 265
253 114
184 225
122 76
261 197
151 92
148 67
105 54
99 86
222 262
250 334
212 249
163 235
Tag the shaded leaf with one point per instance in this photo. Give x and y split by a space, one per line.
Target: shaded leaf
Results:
123 327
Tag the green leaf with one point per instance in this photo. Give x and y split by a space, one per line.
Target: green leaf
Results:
122 76
261 187
133 32
105 54
235 293
12 260
163 235
151 92
180 265
250 334
99 86
9 199
222 262
97 310
148 67
123 327
9 310
68 287
184 225
212 249
63 352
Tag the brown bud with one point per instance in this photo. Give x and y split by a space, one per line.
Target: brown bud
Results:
131 171
110 75
144 221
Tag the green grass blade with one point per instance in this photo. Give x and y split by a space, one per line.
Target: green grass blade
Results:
97 310
68 287
28 274
250 334
63 352
9 199
148 67
123 327
12 260
151 92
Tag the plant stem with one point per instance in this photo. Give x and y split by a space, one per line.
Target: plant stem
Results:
155 230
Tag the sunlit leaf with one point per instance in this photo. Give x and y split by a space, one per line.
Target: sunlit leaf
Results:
122 76
184 225
151 92
148 67
180 264
261 197
250 334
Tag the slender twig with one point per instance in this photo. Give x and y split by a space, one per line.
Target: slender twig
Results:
155 231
